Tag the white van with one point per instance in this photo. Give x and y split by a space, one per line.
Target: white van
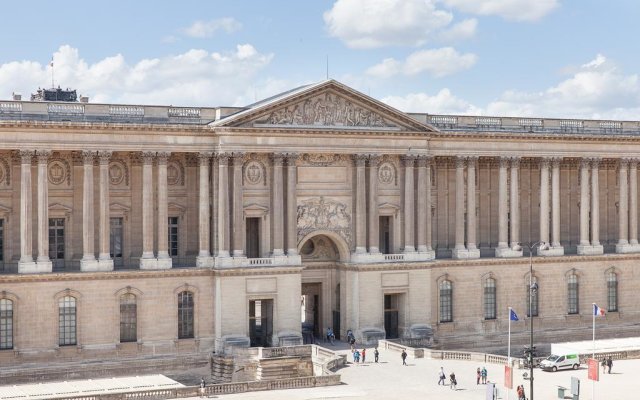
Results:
554 362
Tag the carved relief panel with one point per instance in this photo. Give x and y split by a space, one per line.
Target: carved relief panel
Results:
59 170
5 172
118 172
254 172
324 214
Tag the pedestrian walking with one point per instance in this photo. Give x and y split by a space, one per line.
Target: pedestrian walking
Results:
604 365
483 373
453 381
442 377
609 364
478 376
404 357
363 354
376 353
520 392
356 356
330 336
203 386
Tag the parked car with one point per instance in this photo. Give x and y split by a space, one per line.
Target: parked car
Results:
554 362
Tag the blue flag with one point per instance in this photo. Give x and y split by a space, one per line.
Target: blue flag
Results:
512 315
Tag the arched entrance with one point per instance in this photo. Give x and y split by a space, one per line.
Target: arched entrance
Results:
320 292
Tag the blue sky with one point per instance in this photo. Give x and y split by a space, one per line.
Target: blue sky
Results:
551 58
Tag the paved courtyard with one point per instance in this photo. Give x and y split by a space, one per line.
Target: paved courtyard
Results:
390 380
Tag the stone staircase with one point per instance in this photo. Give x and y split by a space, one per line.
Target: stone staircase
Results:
283 367
222 368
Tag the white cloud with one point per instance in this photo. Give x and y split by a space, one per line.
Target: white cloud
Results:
443 102
437 62
205 29
375 23
597 90
460 31
196 77
517 10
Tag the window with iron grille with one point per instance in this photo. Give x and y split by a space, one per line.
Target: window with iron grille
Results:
185 315
1 239
572 294
612 292
6 324
128 318
490 298
446 301
67 321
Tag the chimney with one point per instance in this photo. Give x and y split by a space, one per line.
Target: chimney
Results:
84 99
16 96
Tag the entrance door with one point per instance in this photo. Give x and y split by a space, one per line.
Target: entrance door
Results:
260 322
391 315
310 304
253 237
56 243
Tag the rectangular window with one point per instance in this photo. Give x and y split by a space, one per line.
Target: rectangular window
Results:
490 299
612 292
572 295
385 235
446 302
6 324
185 315
67 321
115 238
1 239
253 237
173 236
56 242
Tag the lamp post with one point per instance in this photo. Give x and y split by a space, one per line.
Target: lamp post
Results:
533 288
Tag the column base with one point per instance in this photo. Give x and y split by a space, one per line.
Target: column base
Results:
32 267
508 252
409 250
164 263
223 261
627 248
552 251
148 263
96 265
589 250
277 252
292 252
204 262
465 254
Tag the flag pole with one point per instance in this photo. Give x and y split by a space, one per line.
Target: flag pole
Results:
509 354
593 353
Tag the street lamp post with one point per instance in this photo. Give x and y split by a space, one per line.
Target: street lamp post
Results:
533 287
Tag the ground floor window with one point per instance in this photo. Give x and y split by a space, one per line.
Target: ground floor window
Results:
67 321
446 301
128 318
6 324
185 315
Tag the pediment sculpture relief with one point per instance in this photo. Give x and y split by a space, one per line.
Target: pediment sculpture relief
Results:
325 110
322 214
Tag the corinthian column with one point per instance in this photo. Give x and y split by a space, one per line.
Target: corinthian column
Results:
88 230
374 219
26 264
471 204
361 204
104 257
515 202
409 226
459 235
544 200
502 204
633 202
428 205
224 231
292 206
555 206
584 202
44 264
422 204
147 260
595 203
204 227
623 208
164 261
277 190
238 232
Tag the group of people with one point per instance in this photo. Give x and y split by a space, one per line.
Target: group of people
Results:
607 363
520 392
359 356
442 378
481 375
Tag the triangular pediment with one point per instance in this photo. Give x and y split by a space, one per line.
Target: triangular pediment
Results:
326 105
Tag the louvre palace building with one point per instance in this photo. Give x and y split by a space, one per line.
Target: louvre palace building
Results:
142 230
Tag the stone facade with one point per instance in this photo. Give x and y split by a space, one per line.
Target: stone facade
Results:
214 222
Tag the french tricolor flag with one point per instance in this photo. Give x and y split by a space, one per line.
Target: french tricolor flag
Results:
597 311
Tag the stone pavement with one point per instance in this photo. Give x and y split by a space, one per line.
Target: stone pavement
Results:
390 380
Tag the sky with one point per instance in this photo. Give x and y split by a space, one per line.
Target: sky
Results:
538 58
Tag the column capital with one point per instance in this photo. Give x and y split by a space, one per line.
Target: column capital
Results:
504 162
585 162
223 158
237 158
147 157
88 156
422 162
515 162
359 159
633 163
556 161
43 156
472 160
277 159
461 162
374 159
105 156
624 162
163 157
291 158
26 156
545 162
595 162
408 159
203 157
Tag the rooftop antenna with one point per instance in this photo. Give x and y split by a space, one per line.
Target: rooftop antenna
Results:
51 65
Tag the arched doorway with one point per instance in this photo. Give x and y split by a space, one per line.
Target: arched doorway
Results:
320 292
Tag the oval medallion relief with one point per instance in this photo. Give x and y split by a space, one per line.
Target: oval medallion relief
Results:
56 172
253 172
386 173
173 173
116 173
